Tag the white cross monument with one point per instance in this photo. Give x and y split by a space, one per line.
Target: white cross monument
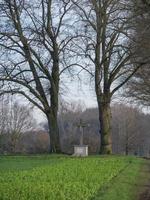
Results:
81 149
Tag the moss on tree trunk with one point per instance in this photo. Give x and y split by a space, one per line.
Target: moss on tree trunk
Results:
105 128
54 134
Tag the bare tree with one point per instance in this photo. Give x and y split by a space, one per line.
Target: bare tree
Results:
34 38
15 121
19 120
107 51
3 118
139 86
3 114
126 128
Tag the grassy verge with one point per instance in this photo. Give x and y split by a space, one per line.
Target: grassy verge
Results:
65 178
143 186
123 186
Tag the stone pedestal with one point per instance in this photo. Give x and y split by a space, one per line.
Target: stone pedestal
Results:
81 150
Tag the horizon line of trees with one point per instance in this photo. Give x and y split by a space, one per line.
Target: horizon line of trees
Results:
130 131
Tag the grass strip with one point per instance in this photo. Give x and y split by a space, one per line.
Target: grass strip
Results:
124 185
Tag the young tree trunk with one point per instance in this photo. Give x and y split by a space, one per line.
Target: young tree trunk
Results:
105 128
13 143
127 144
126 150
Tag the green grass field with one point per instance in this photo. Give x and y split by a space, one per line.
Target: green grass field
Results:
66 178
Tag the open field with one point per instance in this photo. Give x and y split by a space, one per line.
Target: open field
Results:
64 178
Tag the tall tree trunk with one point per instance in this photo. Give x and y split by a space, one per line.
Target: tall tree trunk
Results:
54 91
105 128
53 133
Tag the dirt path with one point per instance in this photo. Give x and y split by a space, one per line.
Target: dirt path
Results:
144 188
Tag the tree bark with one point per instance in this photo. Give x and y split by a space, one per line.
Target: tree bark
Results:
105 128
126 150
53 114
53 133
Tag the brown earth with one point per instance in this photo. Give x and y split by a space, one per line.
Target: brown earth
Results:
144 188
145 195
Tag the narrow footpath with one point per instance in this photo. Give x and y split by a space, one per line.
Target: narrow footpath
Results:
144 188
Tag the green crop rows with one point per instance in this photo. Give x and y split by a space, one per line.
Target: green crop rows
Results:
56 178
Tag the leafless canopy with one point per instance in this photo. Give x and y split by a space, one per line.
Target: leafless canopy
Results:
34 39
34 36
108 29
139 86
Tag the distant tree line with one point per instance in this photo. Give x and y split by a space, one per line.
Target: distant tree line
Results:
130 130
